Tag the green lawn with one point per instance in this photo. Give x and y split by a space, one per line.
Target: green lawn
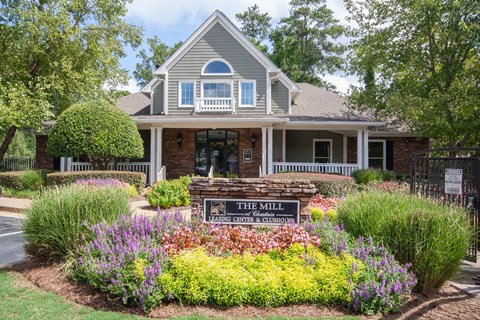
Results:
18 300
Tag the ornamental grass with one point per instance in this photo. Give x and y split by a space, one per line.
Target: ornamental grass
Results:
431 236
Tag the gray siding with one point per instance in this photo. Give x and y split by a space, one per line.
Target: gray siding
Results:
277 145
280 101
300 145
158 99
217 43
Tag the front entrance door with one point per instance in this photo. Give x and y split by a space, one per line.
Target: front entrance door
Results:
217 150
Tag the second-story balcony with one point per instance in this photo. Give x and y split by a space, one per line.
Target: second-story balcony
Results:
215 105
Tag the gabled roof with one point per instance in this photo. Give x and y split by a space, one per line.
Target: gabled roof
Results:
219 17
135 104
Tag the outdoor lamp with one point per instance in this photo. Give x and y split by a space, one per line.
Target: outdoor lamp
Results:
179 139
254 140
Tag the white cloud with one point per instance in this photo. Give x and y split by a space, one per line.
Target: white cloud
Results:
342 82
131 86
166 13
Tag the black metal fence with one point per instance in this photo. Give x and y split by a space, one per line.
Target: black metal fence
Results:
17 164
454 178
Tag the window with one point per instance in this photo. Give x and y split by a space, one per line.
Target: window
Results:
217 67
377 154
186 93
217 90
246 93
322 151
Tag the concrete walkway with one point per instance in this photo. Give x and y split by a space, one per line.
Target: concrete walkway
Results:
467 283
14 205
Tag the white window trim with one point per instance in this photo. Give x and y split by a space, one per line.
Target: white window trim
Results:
384 142
331 148
230 82
240 94
180 105
217 74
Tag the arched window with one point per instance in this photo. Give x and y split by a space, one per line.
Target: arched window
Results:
217 67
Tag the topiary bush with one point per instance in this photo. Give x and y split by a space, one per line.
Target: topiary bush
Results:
365 176
136 179
170 193
98 131
431 236
328 185
58 217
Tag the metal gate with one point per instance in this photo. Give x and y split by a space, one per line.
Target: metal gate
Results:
454 179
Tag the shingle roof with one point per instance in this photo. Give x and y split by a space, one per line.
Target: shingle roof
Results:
320 103
135 104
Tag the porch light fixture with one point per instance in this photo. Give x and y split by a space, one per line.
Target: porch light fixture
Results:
254 140
179 139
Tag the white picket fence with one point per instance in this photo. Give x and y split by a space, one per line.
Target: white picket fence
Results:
17 164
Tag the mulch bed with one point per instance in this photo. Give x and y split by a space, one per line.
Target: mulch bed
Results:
449 303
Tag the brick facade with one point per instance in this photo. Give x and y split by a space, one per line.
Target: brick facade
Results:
403 147
180 160
265 189
42 159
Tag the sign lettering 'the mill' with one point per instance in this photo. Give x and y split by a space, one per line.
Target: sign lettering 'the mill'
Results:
251 211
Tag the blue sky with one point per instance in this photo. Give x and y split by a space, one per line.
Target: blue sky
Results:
176 20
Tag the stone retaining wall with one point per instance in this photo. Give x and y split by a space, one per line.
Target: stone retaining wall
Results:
264 189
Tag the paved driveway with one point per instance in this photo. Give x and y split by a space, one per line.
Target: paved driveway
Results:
11 240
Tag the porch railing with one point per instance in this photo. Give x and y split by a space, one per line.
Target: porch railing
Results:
345 169
121 166
215 105
17 164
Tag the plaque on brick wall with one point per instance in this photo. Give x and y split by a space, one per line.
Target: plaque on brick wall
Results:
251 211
247 155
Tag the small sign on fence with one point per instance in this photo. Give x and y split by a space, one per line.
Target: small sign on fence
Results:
251 211
453 181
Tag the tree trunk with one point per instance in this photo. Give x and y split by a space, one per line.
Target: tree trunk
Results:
6 142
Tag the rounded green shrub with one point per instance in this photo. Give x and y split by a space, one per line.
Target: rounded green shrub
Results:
97 131
58 217
431 236
365 176
170 193
298 275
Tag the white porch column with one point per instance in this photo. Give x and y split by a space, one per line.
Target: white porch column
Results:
158 157
270 150
284 145
345 148
360 149
365 149
264 151
69 164
62 164
152 177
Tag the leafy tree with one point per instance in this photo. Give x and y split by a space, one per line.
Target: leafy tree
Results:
303 43
255 25
158 53
98 131
54 52
420 61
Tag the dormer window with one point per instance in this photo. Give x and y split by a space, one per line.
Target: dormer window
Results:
217 67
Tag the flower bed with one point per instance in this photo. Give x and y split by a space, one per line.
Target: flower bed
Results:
147 262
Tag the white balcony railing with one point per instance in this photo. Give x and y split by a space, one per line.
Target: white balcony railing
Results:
215 105
345 169
121 166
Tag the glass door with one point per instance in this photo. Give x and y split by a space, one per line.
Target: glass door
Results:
217 158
